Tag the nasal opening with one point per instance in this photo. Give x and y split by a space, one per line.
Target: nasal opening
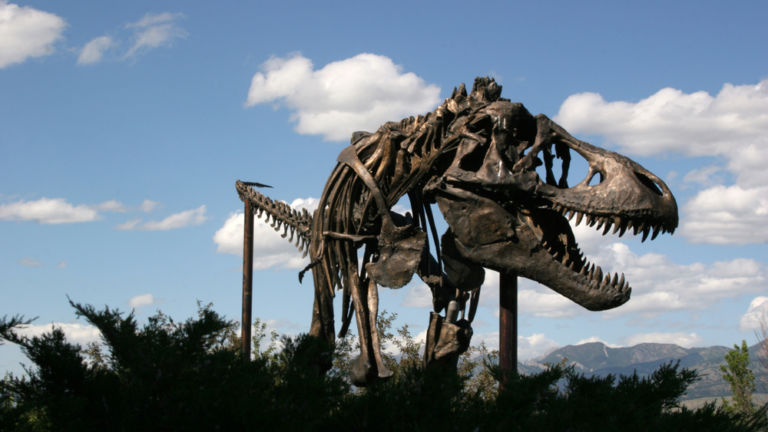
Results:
649 183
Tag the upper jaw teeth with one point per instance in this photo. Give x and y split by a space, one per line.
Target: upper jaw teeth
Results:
619 224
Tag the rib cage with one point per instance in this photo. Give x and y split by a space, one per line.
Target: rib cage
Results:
279 215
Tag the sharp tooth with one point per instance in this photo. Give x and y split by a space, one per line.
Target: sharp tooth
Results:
578 218
646 230
623 230
656 231
599 224
583 270
607 281
621 281
599 274
592 271
615 279
591 220
571 214
607 227
616 224
637 228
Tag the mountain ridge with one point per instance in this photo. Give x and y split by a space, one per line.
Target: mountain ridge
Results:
597 358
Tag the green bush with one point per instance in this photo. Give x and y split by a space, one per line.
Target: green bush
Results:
190 375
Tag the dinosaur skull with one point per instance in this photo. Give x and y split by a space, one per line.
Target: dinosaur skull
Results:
504 216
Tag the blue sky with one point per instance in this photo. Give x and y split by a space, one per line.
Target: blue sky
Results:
124 126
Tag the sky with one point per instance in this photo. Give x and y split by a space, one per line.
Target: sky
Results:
124 126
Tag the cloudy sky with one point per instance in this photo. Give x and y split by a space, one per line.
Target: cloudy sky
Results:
123 128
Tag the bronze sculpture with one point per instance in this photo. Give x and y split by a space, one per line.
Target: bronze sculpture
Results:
476 157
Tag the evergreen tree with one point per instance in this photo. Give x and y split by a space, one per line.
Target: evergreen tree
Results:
740 377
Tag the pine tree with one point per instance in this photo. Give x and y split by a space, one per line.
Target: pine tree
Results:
740 378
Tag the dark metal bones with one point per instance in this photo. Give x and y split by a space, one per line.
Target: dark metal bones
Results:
476 157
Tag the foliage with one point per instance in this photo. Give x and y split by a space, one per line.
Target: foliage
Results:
737 374
190 375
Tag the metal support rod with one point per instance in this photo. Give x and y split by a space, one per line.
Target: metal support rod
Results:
245 331
507 323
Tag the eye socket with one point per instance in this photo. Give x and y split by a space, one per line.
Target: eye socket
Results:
596 179
473 160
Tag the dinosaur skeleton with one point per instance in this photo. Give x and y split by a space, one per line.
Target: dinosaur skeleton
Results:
475 156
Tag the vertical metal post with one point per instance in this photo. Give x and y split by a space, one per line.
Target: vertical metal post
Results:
245 332
507 323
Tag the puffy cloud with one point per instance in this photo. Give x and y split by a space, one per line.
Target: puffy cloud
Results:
731 125
26 32
75 332
142 300
696 124
177 220
756 316
154 31
727 215
269 248
686 340
419 295
358 93
55 211
94 50
660 285
528 347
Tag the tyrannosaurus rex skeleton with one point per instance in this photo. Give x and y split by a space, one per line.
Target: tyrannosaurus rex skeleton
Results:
476 157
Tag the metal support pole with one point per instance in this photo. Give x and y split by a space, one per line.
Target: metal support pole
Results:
245 331
507 323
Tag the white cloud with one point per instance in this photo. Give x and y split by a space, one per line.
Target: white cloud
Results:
148 205
177 220
30 262
94 50
696 124
111 206
592 339
727 215
358 93
56 211
26 32
731 125
545 304
418 295
48 211
528 347
75 332
660 285
154 31
707 175
756 315
269 248
685 340
532 298
142 300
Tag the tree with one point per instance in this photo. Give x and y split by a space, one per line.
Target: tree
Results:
741 379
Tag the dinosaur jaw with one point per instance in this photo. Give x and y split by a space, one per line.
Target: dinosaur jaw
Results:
563 267
537 244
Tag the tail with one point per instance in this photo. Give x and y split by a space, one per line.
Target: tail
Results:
297 224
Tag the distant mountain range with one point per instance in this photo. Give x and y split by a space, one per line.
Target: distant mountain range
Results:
596 358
